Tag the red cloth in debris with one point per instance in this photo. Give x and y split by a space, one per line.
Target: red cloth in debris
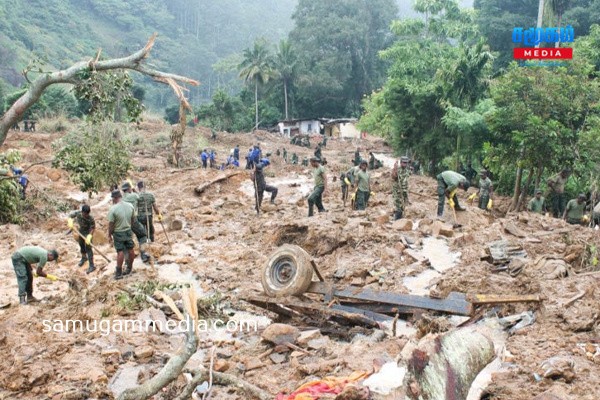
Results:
329 385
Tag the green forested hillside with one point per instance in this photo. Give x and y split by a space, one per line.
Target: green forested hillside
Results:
193 35
202 39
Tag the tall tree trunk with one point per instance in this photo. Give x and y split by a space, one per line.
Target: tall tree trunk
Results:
177 135
538 176
457 151
285 96
517 190
540 17
525 190
255 104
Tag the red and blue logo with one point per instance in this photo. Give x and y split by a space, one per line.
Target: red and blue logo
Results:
533 37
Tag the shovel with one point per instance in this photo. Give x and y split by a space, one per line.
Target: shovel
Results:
91 244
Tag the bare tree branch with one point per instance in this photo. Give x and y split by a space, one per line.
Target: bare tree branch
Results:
170 371
71 75
222 379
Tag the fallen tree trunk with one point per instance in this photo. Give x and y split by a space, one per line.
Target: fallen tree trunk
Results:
223 379
200 189
170 371
72 75
445 367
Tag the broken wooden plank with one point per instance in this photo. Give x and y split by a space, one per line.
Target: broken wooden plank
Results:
367 313
480 299
271 307
314 266
453 304
380 308
312 308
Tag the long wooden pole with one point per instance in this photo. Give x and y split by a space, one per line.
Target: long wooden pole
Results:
93 247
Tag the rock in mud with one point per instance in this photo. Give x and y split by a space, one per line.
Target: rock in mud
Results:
403 225
277 358
439 228
221 365
176 225
382 219
307 336
281 334
144 352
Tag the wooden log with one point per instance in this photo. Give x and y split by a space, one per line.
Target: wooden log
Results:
445 367
200 189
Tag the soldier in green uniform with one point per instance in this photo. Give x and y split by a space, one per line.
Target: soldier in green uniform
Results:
556 184
371 160
22 260
87 225
400 187
448 184
344 182
316 197
307 141
294 159
357 157
537 204
147 204
121 218
305 162
575 209
364 186
317 153
486 189
138 229
277 153
285 155
596 214
351 181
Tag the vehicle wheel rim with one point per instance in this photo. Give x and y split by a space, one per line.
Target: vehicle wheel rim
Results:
283 271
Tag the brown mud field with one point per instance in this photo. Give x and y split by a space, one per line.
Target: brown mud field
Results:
219 247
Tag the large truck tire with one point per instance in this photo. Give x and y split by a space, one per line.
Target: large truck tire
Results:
287 272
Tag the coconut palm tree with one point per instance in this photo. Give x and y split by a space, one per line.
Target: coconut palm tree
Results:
256 68
285 66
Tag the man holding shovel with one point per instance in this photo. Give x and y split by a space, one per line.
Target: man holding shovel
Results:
22 260
448 183
87 225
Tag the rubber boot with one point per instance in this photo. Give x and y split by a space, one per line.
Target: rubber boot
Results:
118 273
397 215
31 299
23 300
82 261
128 269
90 269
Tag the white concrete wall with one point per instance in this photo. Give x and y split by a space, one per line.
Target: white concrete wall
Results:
315 127
285 129
348 130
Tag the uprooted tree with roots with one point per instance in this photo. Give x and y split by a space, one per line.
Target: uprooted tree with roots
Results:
85 76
